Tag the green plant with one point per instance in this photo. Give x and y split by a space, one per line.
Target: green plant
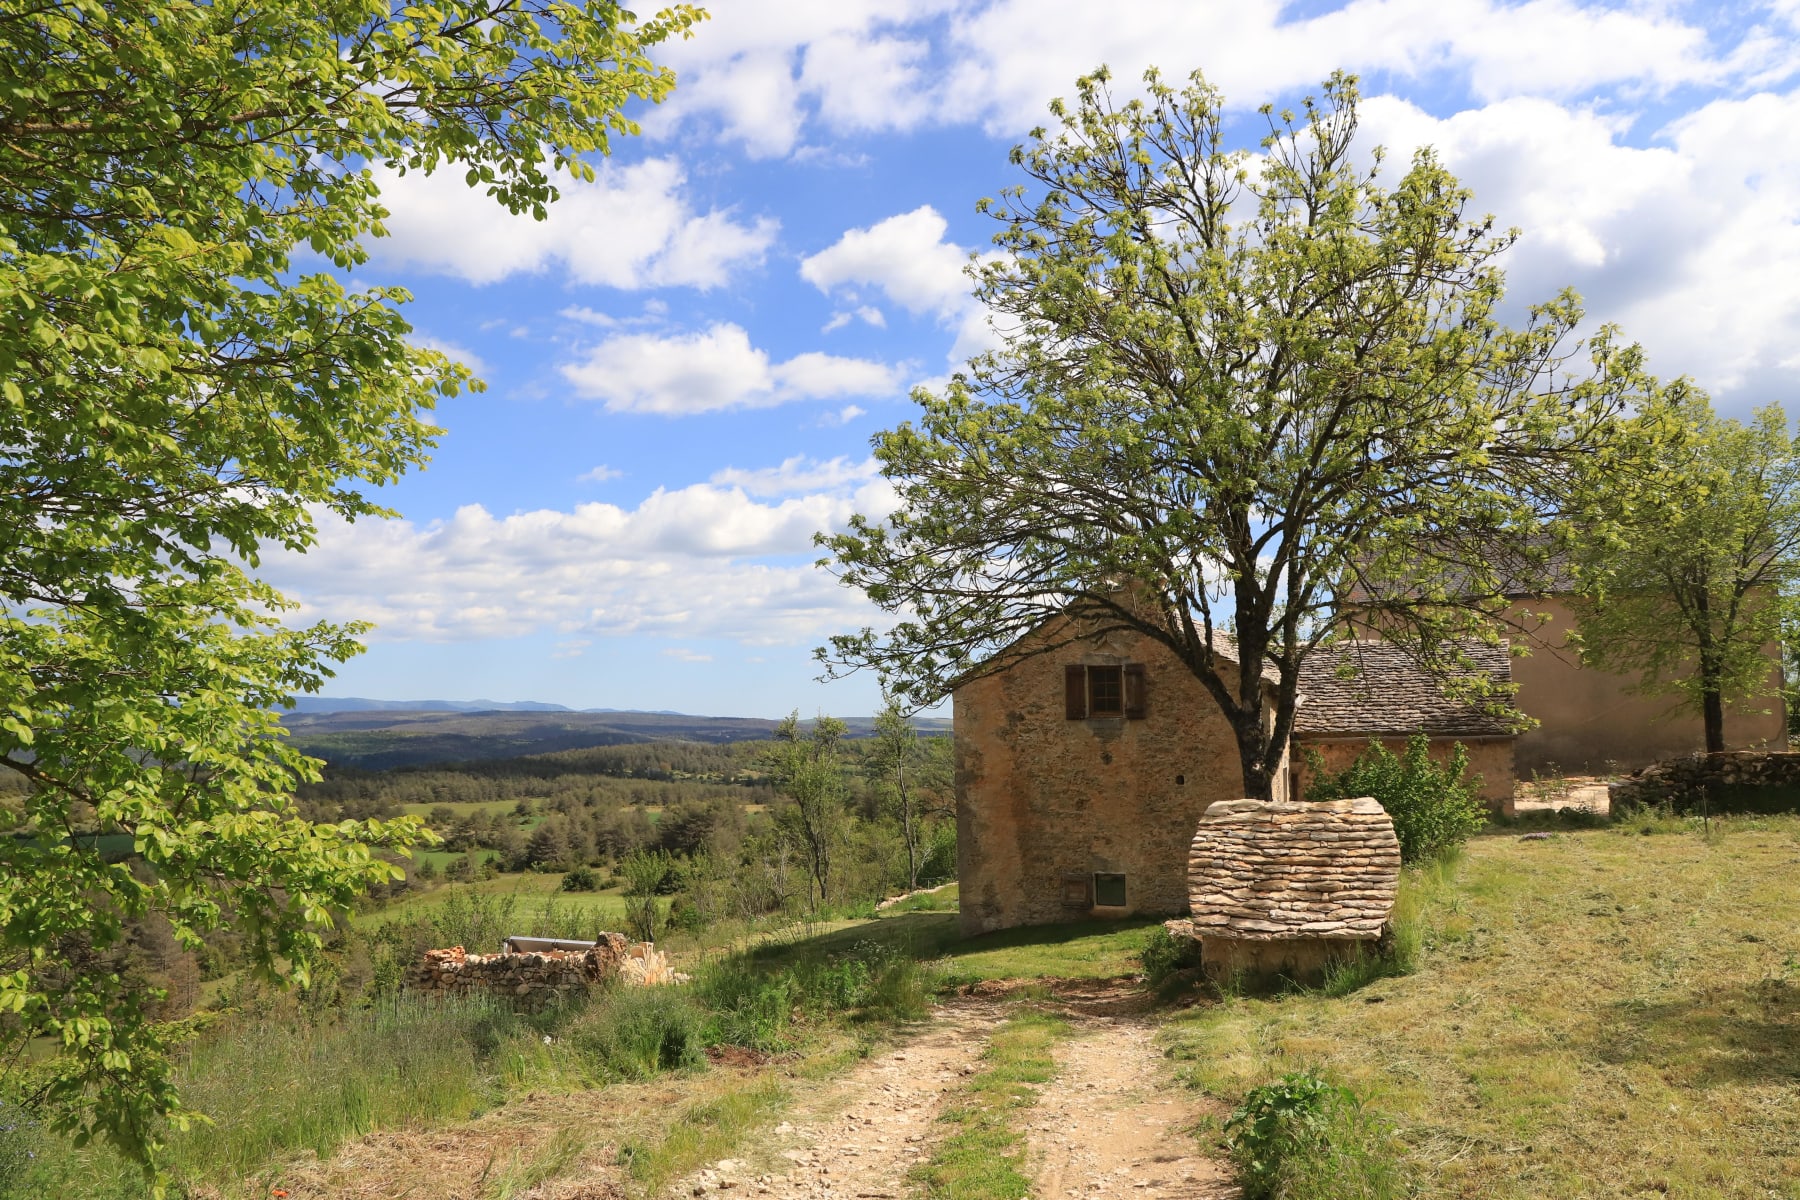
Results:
1304 1138
581 879
638 1032
1435 806
1165 956
644 873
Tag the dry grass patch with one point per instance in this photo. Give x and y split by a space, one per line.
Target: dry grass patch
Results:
1598 1014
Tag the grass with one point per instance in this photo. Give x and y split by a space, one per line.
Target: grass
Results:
1598 1013
540 906
983 1156
1083 950
703 1132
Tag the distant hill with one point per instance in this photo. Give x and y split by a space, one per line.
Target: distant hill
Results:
334 704
377 739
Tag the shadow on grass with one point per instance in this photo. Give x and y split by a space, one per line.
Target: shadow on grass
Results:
1080 950
1719 1036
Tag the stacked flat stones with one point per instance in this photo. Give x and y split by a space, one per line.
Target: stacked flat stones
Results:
1272 870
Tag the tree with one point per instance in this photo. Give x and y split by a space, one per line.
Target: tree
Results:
1227 403
807 767
904 767
1685 562
180 389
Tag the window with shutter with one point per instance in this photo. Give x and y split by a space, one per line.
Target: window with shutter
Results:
1075 692
1106 692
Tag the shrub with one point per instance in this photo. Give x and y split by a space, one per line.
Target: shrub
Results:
1303 1138
1164 955
637 1032
581 879
1435 806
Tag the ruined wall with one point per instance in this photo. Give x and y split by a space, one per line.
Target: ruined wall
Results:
1490 758
1043 802
1589 720
539 977
1735 781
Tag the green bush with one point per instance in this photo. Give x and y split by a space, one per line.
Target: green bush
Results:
637 1032
1435 807
1303 1138
1165 955
581 879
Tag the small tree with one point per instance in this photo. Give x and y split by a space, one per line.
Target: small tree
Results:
644 873
1685 562
907 771
1435 807
1228 402
808 769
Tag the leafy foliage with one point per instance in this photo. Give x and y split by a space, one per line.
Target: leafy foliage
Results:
1686 561
178 392
1302 1138
1435 806
1229 394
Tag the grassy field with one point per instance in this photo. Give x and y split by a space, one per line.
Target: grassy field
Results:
537 902
1596 1014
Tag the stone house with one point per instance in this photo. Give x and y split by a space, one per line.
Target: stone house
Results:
1590 722
1082 773
1369 689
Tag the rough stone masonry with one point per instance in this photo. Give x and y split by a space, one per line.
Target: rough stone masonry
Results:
1282 888
538 976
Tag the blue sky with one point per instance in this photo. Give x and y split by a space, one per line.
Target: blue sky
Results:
686 362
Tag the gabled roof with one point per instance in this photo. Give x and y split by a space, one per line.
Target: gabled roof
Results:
1386 691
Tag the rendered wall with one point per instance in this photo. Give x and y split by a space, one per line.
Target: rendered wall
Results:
1490 758
1042 800
1589 722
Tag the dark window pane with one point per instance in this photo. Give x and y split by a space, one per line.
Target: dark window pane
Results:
1106 692
1109 891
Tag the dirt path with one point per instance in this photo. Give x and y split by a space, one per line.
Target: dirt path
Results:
1110 1124
1113 1124
861 1135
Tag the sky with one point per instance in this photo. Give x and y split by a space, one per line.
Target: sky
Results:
686 362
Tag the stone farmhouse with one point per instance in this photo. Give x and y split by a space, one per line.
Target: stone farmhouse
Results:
1082 772
1590 722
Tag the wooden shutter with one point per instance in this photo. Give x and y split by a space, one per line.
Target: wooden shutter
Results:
1075 692
1134 691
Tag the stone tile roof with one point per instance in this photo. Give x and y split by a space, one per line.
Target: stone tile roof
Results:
1388 692
1271 870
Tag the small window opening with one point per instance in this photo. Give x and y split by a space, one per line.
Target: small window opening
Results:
1109 891
1075 891
1106 692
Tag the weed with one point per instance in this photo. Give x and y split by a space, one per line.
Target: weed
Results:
1303 1138
706 1131
522 1174
635 1033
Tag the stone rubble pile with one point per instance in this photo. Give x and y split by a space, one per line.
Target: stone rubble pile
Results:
1272 870
540 975
1683 782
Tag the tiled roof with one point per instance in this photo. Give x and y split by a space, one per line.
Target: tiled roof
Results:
1388 692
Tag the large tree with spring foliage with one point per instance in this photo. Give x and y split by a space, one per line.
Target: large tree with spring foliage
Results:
183 384
1239 403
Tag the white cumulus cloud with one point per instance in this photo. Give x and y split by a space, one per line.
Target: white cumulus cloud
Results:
714 369
631 228
728 559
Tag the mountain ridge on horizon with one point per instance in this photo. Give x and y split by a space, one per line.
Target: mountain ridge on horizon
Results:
332 704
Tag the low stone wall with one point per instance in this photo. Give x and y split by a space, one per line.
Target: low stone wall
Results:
1731 780
540 976
1281 888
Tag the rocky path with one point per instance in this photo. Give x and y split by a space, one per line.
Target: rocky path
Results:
861 1135
1110 1124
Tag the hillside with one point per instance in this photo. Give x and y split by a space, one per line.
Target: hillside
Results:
380 739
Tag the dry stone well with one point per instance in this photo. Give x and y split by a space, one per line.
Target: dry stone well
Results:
1282 888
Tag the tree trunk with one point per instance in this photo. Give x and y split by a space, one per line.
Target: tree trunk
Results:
1259 781
1712 717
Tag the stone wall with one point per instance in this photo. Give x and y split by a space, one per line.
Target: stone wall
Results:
1490 758
538 977
1045 803
1735 778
